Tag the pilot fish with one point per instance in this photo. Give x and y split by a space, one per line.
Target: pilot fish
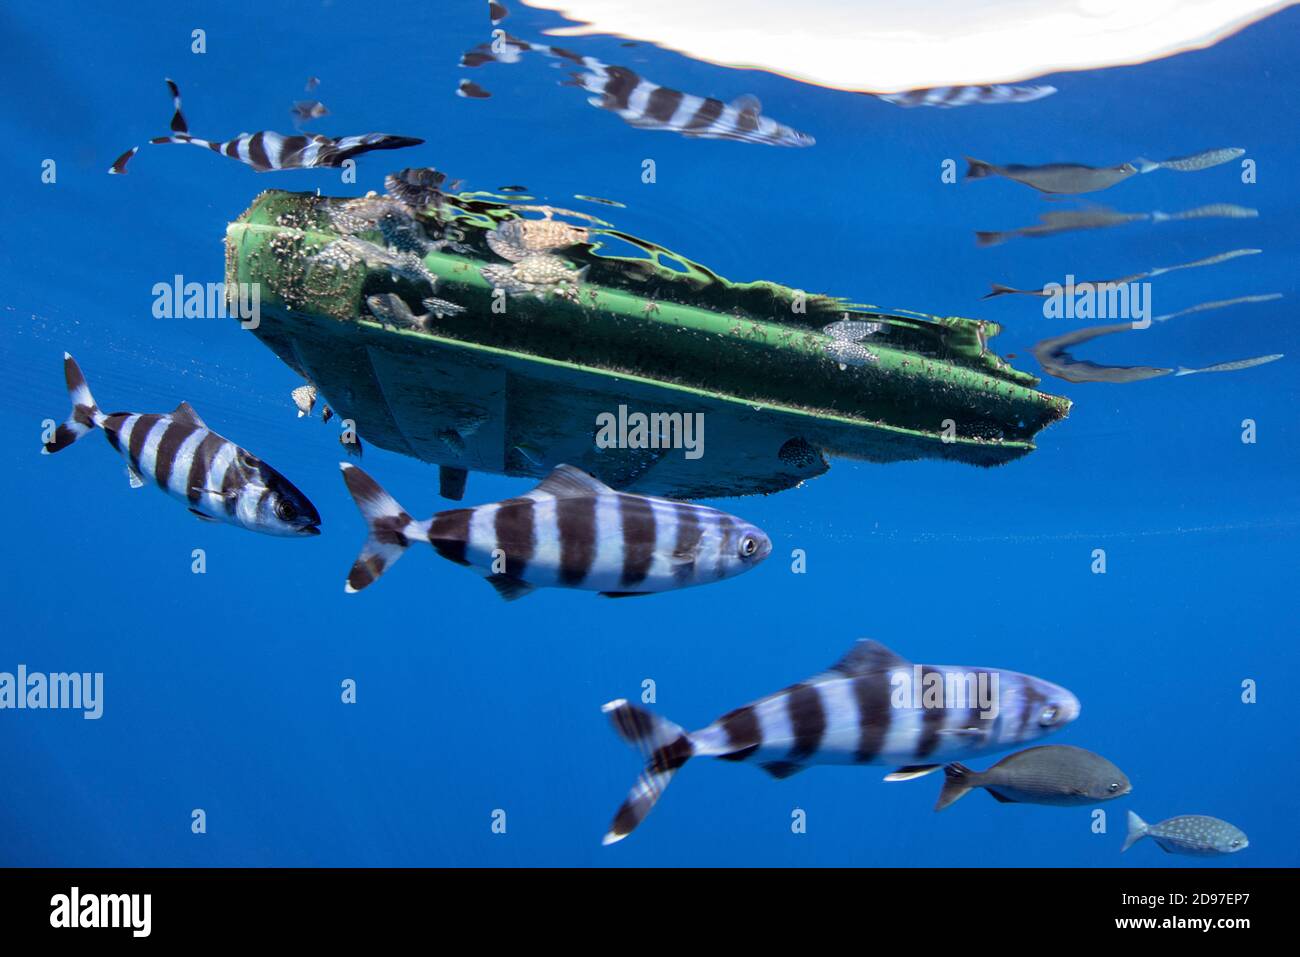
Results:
647 105
946 97
1055 774
571 531
1194 834
216 479
266 150
851 714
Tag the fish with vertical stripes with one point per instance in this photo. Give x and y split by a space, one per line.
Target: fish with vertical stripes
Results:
571 531
947 97
266 150
647 105
867 709
216 479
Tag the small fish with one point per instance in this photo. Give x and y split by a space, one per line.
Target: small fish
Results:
1211 211
351 445
418 188
391 310
1193 834
497 11
516 239
1235 366
217 480
306 110
537 274
850 714
312 83
1055 774
119 165
1191 164
571 531
946 97
1218 304
1066 178
304 397
266 150
647 105
845 342
1044 292
326 414
441 308
512 189
1056 361
470 89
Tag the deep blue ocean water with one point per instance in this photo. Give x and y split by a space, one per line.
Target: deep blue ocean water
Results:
222 691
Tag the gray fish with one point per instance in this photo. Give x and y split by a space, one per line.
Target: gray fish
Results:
1055 177
440 308
1043 293
1234 366
1193 834
947 97
1056 774
571 531
1191 164
858 712
1000 290
1056 361
1062 221
266 150
216 480
391 310
417 187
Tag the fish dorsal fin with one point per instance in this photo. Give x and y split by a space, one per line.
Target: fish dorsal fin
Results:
747 103
565 481
185 413
868 657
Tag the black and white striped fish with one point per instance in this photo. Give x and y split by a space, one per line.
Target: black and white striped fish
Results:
946 97
847 715
647 105
266 150
216 479
571 531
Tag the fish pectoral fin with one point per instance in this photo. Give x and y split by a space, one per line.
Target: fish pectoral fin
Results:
1001 798
782 769
911 771
747 103
134 477
207 518
962 732
624 594
510 588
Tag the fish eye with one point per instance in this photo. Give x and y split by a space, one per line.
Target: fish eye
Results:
1235 844
1113 787
1048 716
748 546
285 511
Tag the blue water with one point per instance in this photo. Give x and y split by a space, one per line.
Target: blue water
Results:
222 691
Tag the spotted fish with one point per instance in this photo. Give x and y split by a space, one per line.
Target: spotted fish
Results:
647 105
1194 834
847 715
947 97
1054 774
266 150
571 531
217 480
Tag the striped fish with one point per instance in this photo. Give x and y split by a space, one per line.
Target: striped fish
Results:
571 531
265 150
846 715
946 97
217 480
647 105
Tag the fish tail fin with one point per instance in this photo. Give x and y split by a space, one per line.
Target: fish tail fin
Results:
85 415
1183 370
178 124
1159 217
1145 165
387 524
978 169
1137 829
667 747
958 780
998 290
